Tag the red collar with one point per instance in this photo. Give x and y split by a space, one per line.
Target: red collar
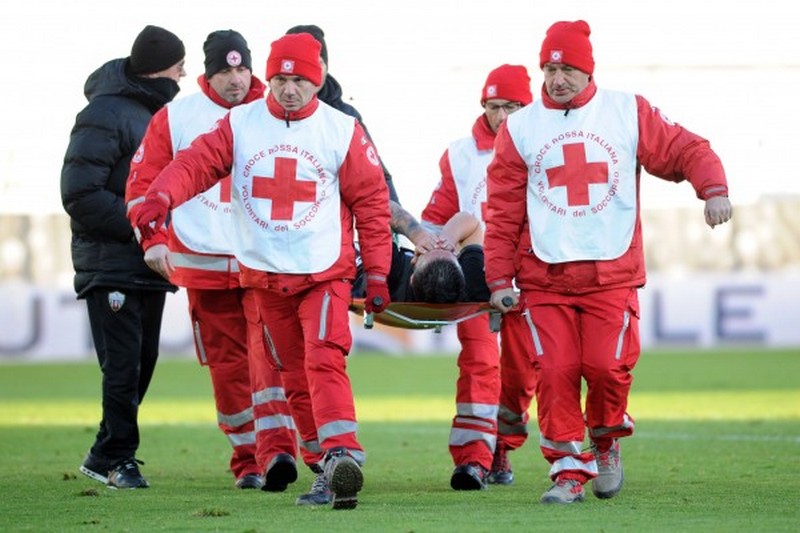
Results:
256 92
483 134
277 110
579 101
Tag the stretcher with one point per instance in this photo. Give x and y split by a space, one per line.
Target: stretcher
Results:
420 315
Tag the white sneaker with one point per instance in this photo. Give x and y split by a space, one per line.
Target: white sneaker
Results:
609 472
564 491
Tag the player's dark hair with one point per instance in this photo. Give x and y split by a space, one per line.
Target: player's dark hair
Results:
439 281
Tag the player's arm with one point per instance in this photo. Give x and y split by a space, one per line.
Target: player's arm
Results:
461 230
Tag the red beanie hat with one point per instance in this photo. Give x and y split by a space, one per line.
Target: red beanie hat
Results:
296 55
568 43
508 82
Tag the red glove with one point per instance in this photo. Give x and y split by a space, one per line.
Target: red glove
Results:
377 294
152 214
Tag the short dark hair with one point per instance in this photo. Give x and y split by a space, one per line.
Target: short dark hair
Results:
439 281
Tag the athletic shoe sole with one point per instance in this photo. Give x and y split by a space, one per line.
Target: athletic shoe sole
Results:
94 475
345 482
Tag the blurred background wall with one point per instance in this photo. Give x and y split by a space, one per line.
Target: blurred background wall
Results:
724 69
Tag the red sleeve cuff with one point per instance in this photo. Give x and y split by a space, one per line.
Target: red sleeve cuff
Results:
158 238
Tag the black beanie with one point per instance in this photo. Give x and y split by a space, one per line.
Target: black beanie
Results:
225 49
317 33
155 49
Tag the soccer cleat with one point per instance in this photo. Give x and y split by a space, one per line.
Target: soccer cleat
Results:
319 494
609 471
250 481
96 467
564 491
126 475
281 471
471 476
500 473
344 479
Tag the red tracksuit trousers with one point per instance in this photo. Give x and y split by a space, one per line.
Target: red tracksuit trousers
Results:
592 337
226 333
308 336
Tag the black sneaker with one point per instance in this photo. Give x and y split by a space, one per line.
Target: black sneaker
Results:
469 477
344 478
126 475
319 494
250 481
281 471
96 467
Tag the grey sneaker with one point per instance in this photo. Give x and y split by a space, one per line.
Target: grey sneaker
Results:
281 471
609 472
319 494
126 475
344 479
564 491
96 467
249 481
500 473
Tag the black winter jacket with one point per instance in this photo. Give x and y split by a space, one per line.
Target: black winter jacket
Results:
331 94
106 134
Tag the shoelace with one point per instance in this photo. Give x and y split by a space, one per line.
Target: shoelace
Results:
570 483
319 485
607 458
131 464
500 461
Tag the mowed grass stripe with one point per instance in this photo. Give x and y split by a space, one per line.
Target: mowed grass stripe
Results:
740 406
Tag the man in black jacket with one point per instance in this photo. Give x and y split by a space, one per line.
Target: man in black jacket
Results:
125 298
331 93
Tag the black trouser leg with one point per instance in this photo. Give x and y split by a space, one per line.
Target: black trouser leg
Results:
126 341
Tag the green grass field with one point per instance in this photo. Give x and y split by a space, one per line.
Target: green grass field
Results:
717 448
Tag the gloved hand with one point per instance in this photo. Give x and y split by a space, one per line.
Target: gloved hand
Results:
152 214
377 294
718 210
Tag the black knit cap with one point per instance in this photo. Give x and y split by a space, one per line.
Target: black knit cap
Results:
155 49
226 49
315 32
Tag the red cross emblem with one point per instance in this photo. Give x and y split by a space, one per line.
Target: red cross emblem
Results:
576 174
284 189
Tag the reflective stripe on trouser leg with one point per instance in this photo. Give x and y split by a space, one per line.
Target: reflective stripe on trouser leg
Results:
553 323
518 381
275 430
473 434
220 328
611 351
324 311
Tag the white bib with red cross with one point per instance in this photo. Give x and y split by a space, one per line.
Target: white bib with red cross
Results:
582 191
203 224
468 165
285 188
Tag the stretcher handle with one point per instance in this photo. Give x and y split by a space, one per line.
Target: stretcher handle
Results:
496 317
369 320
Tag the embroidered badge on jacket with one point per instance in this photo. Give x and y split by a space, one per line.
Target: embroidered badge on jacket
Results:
116 300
